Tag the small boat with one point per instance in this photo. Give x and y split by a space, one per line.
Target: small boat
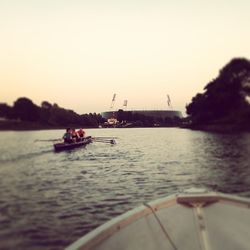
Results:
68 146
192 220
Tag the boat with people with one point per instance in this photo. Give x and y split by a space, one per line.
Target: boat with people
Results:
68 146
74 139
193 220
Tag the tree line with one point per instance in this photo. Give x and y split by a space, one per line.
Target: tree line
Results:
53 116
141 120
48 115
225 99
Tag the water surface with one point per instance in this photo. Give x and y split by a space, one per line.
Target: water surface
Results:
48 200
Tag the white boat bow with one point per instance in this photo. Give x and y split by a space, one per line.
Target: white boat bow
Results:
193 220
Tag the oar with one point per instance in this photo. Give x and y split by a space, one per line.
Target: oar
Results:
103 137
112 141
48 140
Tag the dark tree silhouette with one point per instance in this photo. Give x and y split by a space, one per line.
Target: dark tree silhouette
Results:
224 96
46 105
5 111
48 115
25 110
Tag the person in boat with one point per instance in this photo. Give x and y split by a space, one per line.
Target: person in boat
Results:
68 136
81 133
75 135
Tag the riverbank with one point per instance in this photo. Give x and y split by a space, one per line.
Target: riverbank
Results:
220 128
7 125
16 125
13 125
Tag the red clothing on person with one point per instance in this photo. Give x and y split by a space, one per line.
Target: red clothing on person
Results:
81 133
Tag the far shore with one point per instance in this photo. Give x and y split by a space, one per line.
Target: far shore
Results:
12 125
220 128
26 126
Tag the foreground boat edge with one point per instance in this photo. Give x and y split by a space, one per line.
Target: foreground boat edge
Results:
192 199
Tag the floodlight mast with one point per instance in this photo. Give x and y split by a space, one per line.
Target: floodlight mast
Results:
169 102
113 101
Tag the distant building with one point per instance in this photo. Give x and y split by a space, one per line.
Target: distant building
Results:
112 121
153 113
158 114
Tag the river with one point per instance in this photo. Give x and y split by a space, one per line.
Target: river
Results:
48 200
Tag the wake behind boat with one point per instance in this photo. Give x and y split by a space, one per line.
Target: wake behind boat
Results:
194 220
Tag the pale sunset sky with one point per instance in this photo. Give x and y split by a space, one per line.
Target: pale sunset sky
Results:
79 53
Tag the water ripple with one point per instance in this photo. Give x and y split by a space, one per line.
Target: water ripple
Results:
48 200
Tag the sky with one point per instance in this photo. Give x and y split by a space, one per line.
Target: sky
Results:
79 53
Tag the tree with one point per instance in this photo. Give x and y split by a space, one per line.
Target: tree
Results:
224 95
46 105
5 110
121 115
26 110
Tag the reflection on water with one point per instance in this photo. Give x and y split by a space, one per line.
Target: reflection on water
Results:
231 161
48 200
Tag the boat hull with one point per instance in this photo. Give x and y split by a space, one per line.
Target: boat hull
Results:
69 146
204 221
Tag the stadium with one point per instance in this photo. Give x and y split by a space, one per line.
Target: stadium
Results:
153 113
158 114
